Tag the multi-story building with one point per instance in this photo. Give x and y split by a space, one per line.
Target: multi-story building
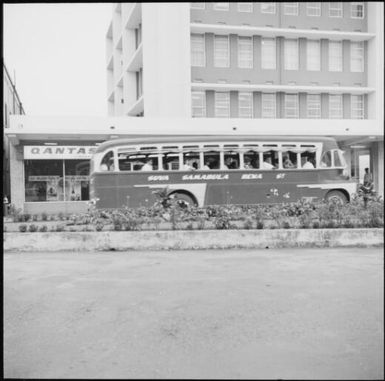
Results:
312 67
11 106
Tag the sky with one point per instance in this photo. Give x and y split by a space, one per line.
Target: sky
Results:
57 53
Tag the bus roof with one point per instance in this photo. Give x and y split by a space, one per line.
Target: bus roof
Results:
162 139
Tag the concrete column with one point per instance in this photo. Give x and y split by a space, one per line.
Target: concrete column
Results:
302 104
257 53
280 105
377 164
234 102
257 104
166 59
346 56
233 44
210 104
17 176
324 106
348 158
302 46
346 102
324 55
209 50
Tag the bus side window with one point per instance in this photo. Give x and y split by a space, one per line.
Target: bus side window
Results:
107 163
211 159
150 163
308 160
124 164
190 161
326 160
289 159
251 160
270 160
231 160
171 162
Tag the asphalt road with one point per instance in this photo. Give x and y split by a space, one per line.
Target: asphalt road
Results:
305 314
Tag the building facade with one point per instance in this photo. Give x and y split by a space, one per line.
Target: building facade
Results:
282 61
11 106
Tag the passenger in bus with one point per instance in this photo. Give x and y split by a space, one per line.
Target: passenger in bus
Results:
287 163
195 165
207 165
104 167
267 164
230 163
312 160
148 165
248 165
187 166
307 164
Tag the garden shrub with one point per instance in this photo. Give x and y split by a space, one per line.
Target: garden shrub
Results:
33 228
99 226
286 225
201 223
13 211
330 224
117 226
302 214
34 217
59 228
260 225
43 228
132 225
23 228
222 223
21 218
316 225
44 216
248 224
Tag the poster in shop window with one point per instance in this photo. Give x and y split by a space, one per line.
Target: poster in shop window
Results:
73 187
47 188
52 189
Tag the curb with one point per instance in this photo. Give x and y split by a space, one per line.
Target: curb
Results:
192 239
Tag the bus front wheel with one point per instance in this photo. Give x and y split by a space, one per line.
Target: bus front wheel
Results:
183 199
336 196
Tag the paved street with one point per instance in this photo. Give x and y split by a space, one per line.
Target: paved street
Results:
303 313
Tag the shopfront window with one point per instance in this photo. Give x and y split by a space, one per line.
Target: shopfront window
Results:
77 180
56 180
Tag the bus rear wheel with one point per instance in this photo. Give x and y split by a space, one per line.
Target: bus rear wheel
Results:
337 197
183 199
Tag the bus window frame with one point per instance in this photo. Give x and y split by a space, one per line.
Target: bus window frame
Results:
240 148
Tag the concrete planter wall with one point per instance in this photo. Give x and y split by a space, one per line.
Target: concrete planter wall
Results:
185 240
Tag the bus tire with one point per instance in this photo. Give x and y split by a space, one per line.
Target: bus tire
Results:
183 199
336 196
